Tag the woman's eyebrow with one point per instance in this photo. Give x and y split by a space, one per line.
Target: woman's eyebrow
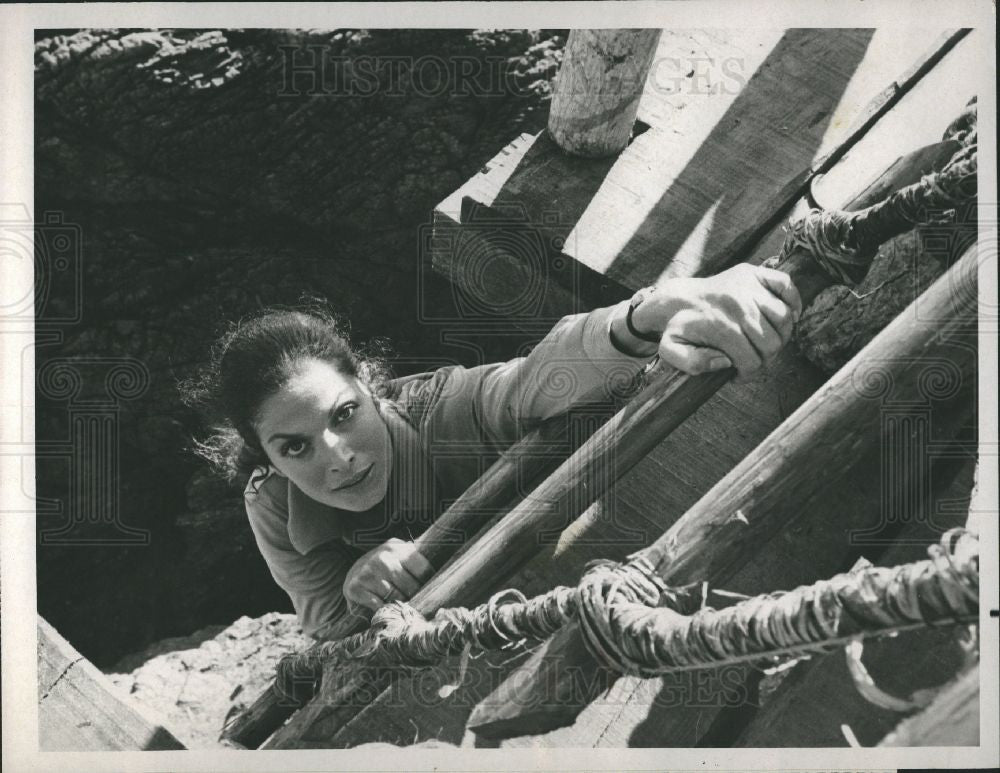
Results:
337 405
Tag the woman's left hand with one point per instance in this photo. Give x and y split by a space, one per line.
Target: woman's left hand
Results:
393 571
740 318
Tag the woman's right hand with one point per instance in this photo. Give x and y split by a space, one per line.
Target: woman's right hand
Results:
739 318
394 571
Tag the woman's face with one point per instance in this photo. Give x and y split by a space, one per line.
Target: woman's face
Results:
323 432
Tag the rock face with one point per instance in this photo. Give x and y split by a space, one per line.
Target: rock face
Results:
195 683
201 184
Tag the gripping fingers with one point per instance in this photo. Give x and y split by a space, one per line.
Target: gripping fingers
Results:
766 341
779 283
734 342
692 359
370 594
781 316
416 564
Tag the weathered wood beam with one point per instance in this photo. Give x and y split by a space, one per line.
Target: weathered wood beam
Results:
79 709
598 87
813 450
952 718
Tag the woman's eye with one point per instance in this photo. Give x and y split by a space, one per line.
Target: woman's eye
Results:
293 448
344 413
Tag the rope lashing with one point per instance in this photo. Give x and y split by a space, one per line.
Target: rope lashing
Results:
844 243
402 638
634 624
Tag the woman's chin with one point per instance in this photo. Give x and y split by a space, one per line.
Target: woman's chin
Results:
355 501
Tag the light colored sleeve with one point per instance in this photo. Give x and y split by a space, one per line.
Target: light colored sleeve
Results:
314 582
575 363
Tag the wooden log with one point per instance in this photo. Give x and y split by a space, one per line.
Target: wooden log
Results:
952 718
79 709
598 88
763 494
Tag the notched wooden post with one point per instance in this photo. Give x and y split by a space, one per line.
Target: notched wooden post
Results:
598 88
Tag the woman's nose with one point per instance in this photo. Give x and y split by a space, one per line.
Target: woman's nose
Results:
341 454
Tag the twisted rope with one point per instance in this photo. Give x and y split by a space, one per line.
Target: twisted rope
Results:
845 243
635 624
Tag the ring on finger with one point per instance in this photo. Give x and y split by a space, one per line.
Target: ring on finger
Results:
388 595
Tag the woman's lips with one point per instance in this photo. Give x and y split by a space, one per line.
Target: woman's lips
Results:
363 475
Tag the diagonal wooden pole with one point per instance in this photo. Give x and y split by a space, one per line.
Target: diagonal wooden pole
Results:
814 451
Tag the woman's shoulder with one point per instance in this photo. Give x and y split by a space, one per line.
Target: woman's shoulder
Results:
265 487
399 390
416 395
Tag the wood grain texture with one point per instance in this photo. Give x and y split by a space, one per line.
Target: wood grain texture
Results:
79 709
598 88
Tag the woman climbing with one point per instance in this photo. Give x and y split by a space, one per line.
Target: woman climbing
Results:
345 468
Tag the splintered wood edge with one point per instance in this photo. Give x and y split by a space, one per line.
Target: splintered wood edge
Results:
79 686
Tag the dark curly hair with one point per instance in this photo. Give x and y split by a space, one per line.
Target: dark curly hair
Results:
251 361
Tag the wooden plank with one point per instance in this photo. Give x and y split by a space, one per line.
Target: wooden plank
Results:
952 719
679 199
765 492
81 710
